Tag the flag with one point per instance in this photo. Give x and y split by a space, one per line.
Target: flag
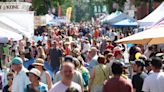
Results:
68 13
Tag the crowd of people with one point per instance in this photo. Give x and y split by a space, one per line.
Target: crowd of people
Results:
80 57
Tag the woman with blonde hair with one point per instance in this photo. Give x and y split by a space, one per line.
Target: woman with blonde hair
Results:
41 53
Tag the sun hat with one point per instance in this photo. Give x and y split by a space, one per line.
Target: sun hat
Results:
34 71
39 62
16 61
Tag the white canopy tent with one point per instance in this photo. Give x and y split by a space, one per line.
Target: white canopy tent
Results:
16 17
126 23
4 33
8 24
116 17
23 19
153 18
111 16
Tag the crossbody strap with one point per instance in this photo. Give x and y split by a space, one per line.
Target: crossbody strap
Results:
103 72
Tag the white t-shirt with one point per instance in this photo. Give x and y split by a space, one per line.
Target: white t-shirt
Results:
20 81
77 78
86 47
154 83
60 87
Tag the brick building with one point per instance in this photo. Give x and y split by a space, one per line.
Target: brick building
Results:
143 9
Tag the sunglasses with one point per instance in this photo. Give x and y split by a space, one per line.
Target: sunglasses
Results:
9 78
37 65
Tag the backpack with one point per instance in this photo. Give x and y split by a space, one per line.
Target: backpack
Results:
85 76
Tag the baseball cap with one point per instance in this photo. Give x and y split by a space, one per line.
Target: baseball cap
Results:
117 52
16 61
139 62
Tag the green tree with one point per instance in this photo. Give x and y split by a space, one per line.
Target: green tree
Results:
41 7
109 4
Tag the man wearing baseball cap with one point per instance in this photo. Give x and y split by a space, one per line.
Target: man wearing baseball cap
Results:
138 78
20 80
118 54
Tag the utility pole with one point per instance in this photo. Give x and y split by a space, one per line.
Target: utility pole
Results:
91 9
151 5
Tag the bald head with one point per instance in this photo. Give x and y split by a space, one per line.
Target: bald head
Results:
67 64
67 71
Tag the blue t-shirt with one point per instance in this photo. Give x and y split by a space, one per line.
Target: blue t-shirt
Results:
29 62
41 88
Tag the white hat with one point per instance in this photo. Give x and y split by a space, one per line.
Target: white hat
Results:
35 72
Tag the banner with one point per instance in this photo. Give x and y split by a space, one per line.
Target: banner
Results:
68 13
59 11
14 6
39 20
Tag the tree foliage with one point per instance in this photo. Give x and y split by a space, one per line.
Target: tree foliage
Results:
82 9
41 7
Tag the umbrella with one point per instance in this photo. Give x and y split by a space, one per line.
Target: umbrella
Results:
153 35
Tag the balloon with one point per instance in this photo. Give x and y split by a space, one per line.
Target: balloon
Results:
137 55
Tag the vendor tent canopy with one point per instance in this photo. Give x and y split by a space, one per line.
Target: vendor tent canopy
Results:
10 25
4 33
126 23
23 18
120 18
161 23
153 35
111 16
57 21
154 17
3 39
116 17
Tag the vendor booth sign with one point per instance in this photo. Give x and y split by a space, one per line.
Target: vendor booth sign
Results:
14 6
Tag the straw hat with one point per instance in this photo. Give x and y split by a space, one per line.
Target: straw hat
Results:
34 71
39 62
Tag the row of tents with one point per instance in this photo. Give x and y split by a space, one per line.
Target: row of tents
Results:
11 28
153 26
154 32
119 19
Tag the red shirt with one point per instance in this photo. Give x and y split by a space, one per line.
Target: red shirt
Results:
118 84
67 51
109 47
